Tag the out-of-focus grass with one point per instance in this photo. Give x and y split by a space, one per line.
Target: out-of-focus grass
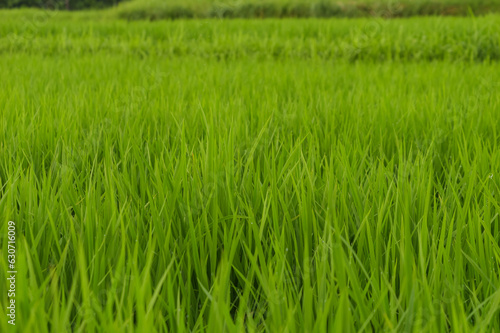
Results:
416 39
162 9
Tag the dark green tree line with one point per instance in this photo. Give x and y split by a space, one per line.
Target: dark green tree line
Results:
58 4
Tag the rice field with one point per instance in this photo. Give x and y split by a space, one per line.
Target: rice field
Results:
250 176
175 9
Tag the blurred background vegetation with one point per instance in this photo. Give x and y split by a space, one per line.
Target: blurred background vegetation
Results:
59 4
173 9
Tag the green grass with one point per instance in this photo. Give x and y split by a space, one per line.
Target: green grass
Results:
175 9
251 176
415 39
251 9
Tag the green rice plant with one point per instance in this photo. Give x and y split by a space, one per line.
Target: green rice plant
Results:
162 9
416 39
237 176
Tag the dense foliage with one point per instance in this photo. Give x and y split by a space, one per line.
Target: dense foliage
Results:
58 4
251 176
174 9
